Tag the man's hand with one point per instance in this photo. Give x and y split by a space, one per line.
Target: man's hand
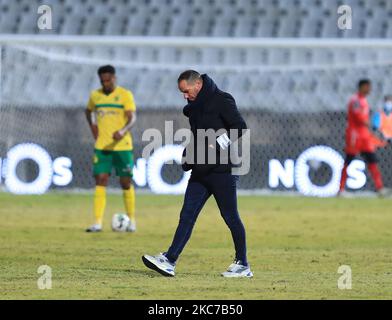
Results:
94 130
118 135
224 141
90 116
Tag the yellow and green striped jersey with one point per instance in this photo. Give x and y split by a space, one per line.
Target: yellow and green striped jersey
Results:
110 110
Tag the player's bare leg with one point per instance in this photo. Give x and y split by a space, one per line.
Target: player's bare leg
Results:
375 173
129 201
101 182
343 177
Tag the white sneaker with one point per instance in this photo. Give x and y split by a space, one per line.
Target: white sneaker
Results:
237 270
345 194
384 193
94 228
160 264
131 226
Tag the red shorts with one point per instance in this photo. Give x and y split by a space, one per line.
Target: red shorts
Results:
357 142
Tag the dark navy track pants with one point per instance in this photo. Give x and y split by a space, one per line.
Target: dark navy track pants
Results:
223 186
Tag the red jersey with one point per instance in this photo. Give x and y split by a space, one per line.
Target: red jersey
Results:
358 135
358 114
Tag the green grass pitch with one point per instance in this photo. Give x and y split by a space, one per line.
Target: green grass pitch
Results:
295 247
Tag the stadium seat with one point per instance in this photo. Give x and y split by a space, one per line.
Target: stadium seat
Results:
310 28
158 26
180 25
212 56
25 23
72 24
256 56
201 26
300 56
267 27
8 23
93 26
168 55
222 18
136 25
115 26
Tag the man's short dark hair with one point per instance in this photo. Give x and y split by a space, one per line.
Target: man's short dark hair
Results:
189 76
388 97
106 69
363 82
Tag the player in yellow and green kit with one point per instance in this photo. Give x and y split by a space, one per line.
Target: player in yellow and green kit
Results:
111 112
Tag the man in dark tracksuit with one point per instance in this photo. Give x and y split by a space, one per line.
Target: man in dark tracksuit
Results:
208 108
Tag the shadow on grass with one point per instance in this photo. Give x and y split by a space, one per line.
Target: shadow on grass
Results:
147 272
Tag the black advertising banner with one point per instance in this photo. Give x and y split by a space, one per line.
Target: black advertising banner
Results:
52 148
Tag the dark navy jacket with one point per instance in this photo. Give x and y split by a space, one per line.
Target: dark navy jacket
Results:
212 109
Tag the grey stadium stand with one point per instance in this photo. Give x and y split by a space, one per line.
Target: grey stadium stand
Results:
234 18
203 18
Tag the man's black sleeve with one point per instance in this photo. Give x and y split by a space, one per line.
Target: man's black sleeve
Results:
231 116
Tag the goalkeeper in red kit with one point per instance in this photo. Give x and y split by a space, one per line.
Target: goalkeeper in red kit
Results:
360 139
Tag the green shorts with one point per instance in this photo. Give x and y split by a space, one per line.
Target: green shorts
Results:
105 160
